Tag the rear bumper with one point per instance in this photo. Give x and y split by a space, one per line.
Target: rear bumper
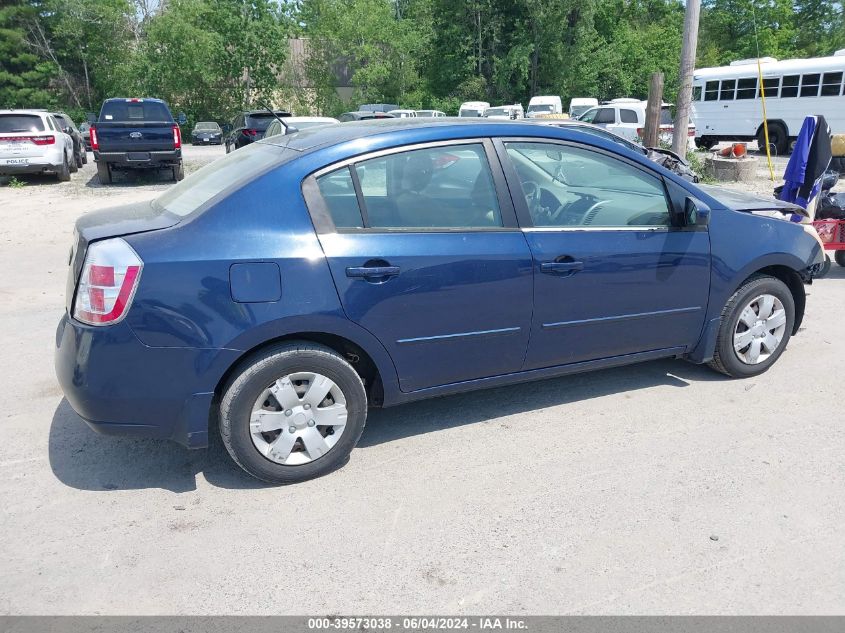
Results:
140 160
120 386
30 168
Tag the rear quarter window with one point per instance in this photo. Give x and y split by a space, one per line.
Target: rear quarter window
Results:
21 123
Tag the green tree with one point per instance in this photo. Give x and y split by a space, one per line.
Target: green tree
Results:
25 78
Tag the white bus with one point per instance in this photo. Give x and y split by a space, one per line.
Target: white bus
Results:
727 104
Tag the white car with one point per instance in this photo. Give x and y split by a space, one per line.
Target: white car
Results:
430 113
32 142
544 105
403 114
626 117
299 123
508 112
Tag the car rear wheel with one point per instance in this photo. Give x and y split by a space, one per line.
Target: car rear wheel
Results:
756 325
63 174
839 256
178 172
104 173
292 413
78 158
73 165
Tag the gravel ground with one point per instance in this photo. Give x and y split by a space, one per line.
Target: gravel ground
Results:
661 488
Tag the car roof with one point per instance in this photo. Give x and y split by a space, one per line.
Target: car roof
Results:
366 134
25 111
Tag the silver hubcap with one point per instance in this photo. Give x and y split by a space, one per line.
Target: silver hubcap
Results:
760 329
298 419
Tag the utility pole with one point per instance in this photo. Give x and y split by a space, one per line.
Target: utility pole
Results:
688 48
652 110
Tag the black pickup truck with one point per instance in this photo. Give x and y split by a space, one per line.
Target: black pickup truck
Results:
136 134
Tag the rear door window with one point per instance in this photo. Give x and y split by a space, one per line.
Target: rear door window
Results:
628 116
439 187
11 123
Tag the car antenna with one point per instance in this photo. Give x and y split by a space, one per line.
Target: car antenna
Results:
289 129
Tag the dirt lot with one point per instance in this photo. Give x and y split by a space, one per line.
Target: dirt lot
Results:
660 488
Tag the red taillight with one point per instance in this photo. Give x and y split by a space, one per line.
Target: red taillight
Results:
177 137
691 131
95 142
251 132
38 140
107 283
640 131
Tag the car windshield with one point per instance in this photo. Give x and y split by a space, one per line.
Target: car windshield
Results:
233 169
207 126
665 115
135 111
543 107
471 112
21 123
497 112
260 120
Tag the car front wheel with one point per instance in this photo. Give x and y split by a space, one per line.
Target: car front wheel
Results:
293 413
756 325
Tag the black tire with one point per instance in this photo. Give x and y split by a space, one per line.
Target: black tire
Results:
73 164
825 268
227 147
104 173
178 172
78 157
264 369
706 142
839 256
726 359
63 173
778 139
84 156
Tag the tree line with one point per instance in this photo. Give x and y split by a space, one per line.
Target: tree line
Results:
210 58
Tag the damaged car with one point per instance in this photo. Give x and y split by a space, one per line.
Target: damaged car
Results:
277 294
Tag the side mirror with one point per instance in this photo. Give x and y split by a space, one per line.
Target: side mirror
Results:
554 155
227 127
91 118
696 213
181 119
290 129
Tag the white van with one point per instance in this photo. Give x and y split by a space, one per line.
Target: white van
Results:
403 114
473 108
539 106
508 112
579 105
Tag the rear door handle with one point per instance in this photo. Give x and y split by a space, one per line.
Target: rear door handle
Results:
372 272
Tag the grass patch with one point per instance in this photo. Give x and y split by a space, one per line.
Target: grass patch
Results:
14 183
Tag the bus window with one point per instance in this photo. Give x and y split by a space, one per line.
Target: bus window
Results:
696 93
789 87
831 84
727 91
771 86
746 88
711 91
810 85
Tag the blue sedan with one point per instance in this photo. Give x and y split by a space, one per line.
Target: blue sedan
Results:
281 291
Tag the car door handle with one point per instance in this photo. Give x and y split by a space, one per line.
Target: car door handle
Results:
558 268
371 272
